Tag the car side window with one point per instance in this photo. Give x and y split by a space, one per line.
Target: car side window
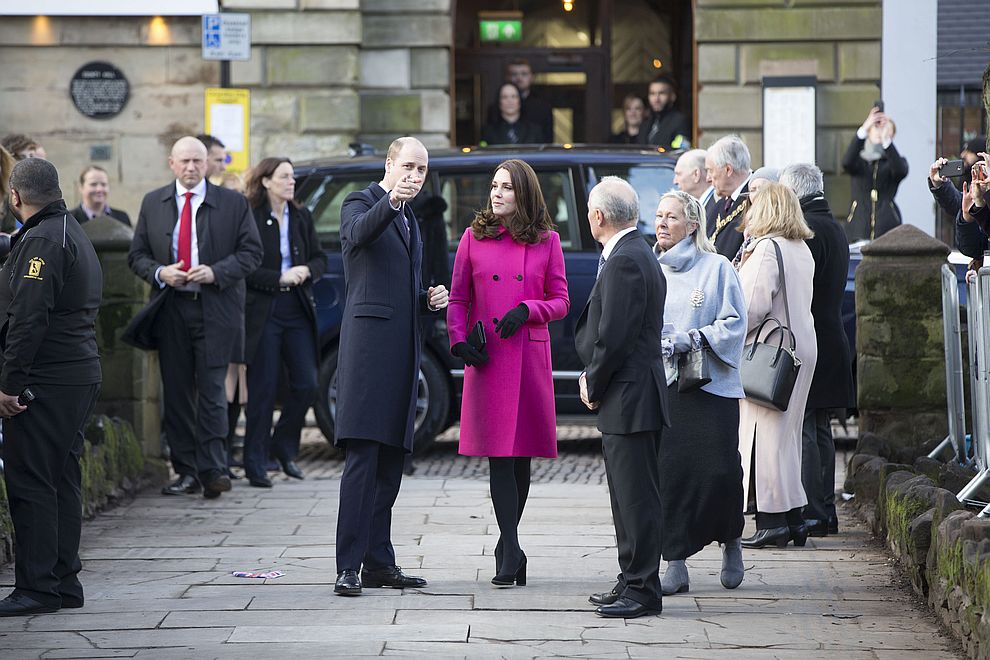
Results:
466 193
650 182
324 202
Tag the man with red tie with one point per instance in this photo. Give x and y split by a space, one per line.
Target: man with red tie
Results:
195 243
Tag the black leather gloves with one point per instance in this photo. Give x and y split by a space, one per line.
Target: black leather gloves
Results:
471 356
512 321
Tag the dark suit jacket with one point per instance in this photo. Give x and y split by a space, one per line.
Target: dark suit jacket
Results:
228 243
80 215
378 355
729 239
262 284
832 385
618 340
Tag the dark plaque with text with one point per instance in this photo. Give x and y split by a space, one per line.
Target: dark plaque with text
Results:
99 90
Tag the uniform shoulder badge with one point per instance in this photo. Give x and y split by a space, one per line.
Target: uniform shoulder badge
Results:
35 264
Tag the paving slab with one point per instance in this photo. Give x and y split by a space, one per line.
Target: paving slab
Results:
158 582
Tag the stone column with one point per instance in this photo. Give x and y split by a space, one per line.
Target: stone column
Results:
899 342
131 382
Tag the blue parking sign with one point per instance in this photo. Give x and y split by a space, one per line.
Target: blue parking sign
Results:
211 31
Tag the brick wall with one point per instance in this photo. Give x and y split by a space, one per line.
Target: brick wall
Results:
740 41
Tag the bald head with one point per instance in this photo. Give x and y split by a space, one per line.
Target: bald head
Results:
407 159
188 161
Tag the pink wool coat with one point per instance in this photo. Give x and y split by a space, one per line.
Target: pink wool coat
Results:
507 408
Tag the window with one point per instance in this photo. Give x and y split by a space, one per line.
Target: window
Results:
650 182
467 192
325 199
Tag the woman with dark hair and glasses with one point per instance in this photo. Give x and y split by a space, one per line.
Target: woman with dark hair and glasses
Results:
509 277
280 320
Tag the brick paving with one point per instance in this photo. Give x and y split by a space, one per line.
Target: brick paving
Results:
158 581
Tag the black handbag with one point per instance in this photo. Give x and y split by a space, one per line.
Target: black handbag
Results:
769 372
693 369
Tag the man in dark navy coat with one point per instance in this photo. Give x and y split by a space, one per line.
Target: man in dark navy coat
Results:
618 340
378 364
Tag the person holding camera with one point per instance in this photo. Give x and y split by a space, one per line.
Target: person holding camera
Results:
877 170
509 276
975 195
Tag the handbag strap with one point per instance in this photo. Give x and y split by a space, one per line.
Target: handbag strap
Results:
783 282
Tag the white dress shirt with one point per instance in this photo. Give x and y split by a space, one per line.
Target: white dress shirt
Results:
199 194
607 250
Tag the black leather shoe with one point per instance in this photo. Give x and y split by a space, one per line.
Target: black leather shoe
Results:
292 470
626 608
348 583
833 525
764 537
260 482
20 605
816 528
215 486
71 602
184 485
391 576
605 597
799 534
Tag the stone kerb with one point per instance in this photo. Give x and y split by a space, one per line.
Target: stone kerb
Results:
899 341
130 388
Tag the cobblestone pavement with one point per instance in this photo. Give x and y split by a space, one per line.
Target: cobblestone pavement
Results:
158 581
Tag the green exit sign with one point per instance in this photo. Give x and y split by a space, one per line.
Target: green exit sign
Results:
504 30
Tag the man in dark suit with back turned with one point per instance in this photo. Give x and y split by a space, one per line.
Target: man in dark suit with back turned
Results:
378 365
618 341
728 167
195 243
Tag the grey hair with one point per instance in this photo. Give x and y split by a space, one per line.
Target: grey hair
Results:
36 181
804 179
768 173
694 159
732 151
617 200
693 214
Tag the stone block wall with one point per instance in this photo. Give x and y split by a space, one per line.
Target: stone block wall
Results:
740 41
943 548
113 467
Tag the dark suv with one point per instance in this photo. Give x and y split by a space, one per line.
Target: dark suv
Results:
463 178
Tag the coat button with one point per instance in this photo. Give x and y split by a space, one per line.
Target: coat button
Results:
519 277
498 238
495 277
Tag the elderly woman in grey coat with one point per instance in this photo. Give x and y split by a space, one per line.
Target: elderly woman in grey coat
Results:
700 468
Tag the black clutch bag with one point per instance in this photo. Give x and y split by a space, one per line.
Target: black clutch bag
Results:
476 338
693 369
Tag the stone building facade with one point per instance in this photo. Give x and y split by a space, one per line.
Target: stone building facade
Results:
324 73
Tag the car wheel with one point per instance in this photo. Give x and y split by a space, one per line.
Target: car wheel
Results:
432 400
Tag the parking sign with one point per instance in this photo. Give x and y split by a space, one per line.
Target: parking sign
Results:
227 36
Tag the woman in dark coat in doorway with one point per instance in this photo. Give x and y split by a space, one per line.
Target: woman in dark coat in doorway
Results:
508 125
280 320
877 170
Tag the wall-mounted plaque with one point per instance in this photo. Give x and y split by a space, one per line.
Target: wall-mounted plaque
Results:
99 90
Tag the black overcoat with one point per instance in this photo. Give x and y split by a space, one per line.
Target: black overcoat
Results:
378 355
618 340
228 243
873 214
79 213
262 284
832 385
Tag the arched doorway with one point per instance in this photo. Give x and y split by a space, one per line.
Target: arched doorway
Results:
586 55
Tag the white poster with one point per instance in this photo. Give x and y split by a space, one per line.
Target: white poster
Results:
788 124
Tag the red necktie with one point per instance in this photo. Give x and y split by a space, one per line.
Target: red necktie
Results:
184 252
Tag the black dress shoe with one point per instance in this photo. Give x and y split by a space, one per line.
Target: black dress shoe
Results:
390 576
799 534
71 602
626 608
605 597
291 469
348 583
20 605
764 537
833 525
215 486
260 482
184 485
816 528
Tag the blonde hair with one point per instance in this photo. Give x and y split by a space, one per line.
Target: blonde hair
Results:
693 213
6 165
776 210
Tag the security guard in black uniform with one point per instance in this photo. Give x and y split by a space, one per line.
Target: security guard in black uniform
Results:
50 291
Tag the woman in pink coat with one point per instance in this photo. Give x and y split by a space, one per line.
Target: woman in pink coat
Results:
508 274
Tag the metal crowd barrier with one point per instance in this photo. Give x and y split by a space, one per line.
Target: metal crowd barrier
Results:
955 390
977 306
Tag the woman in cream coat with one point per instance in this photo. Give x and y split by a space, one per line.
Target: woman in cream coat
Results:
770 440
